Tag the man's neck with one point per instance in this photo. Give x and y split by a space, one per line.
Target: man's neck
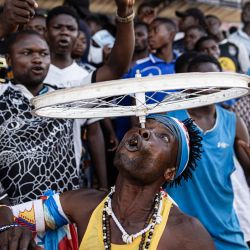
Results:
132 202
246 29
204 117
61 60
34 90
140 55
165 53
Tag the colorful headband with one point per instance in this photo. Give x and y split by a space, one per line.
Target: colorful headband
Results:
181 134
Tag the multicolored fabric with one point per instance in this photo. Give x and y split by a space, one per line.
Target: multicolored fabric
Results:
181 134
47 213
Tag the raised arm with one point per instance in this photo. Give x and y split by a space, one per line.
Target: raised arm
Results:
16 12
242 148
122 51
97 152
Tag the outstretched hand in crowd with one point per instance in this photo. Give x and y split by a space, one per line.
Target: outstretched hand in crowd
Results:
15 13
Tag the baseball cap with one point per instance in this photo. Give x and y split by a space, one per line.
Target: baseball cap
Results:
195 12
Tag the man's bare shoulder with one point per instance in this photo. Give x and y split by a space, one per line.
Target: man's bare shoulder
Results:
79 202
184 232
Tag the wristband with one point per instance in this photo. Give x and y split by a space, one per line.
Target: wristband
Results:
126 19
6 227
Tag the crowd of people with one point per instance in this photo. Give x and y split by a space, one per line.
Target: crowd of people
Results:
180 183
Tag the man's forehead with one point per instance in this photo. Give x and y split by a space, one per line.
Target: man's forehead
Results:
156 124
30 40
62 18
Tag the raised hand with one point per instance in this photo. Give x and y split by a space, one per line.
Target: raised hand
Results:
16 12
124 7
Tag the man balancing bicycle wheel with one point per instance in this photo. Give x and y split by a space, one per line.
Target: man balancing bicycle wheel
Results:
136 214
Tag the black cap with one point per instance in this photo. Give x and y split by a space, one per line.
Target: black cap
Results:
195 12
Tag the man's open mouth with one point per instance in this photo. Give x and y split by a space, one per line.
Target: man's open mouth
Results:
37 70
133 143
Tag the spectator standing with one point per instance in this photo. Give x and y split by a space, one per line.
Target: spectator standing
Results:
37 23
161 36
236 54
209 195
192 35
242 35
188 18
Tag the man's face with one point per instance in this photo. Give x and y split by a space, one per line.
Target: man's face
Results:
30 59
191 37
62 32
144 154
211 48
80 45
37 24
187 22
141 38
213 25
245 15
159 35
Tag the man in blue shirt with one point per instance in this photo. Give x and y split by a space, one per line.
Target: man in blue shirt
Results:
161 62
209 195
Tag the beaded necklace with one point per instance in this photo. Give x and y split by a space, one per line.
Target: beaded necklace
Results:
155 218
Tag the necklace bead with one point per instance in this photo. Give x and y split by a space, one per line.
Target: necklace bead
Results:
156 218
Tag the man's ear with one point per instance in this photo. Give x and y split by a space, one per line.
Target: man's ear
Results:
8 60
170 174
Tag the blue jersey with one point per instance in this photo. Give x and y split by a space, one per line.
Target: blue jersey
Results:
153 66
209 195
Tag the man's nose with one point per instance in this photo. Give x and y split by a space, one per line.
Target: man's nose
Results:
64 30
37 58
144 133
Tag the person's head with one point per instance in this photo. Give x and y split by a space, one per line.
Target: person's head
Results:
161 33
165 151
204 63
37 23
245 14
208 45
94 24
191 17
62 30
28 55
146 13
182 62
141 37
80 46
213 24
192 35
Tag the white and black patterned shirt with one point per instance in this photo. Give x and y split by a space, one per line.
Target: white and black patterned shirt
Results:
36 154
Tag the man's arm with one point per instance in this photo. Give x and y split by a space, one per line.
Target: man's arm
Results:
97 152
123 49
16 12
241 146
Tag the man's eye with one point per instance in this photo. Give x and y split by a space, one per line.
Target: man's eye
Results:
43 54
165 138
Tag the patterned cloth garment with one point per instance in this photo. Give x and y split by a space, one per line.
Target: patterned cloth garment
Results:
36 154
